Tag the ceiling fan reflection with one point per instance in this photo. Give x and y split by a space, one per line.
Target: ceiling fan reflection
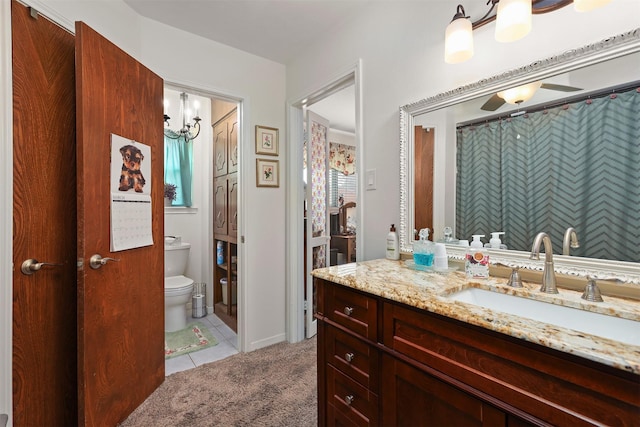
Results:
499 99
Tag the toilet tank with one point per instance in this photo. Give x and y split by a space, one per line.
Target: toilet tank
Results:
175 259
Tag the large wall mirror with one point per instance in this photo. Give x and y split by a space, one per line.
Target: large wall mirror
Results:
608 66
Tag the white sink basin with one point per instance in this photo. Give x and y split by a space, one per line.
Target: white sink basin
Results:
615 328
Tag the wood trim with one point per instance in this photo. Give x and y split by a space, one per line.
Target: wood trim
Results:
424 147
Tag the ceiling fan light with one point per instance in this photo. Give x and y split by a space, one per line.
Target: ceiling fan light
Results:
520 94
458 43
513 20
587 5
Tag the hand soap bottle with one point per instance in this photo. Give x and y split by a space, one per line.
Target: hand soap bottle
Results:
495 242
423 249
393 247
476 259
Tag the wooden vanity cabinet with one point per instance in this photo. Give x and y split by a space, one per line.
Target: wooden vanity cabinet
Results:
409 367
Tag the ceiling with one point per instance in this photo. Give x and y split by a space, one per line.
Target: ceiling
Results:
274 29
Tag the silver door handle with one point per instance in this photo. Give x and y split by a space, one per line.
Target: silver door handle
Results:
96 261
30 266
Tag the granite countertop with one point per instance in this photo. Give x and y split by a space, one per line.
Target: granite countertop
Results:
428 290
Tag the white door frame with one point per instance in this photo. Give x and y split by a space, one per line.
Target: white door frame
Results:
295 190
209 253
6 206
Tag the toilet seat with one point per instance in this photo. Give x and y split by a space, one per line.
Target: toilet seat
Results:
177 285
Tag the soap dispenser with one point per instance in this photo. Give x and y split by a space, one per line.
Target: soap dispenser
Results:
393 250
477 259
476 243
495 242
423 249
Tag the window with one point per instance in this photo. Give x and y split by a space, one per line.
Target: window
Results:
178 168
341 184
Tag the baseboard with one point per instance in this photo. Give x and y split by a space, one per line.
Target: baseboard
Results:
256 345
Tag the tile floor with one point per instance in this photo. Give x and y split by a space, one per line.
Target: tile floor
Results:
227 346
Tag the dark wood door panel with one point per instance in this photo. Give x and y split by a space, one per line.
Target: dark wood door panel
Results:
44 221
120 305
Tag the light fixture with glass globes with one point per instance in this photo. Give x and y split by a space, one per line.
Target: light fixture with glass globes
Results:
513 22
189 130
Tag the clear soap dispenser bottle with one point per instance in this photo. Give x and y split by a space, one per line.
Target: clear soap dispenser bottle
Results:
495 242
423 249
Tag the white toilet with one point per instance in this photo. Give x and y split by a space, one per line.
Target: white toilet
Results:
177 288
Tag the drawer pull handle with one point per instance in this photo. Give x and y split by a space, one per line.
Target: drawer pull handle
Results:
349 357
348 311
349 399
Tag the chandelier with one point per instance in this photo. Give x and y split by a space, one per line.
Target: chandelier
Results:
190 130
513 21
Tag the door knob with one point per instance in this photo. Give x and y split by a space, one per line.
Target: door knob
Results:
30 266
96 261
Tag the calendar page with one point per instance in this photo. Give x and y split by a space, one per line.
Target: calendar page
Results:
131 213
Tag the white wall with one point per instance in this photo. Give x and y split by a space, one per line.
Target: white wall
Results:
401 47
261 85
341 137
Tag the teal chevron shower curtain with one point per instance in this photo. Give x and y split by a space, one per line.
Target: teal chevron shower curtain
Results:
577 165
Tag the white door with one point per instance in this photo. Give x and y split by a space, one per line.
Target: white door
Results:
317 212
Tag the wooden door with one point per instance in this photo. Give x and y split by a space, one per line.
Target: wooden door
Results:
233 205
220 227
232 127
44 222
220 148
423 177
121 304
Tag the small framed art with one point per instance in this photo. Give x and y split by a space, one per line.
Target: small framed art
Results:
266 141
267 173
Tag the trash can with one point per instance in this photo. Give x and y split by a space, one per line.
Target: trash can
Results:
198 301
234 291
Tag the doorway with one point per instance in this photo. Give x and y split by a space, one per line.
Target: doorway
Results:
195 220
300 286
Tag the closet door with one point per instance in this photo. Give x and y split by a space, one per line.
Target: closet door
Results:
220 149
220 224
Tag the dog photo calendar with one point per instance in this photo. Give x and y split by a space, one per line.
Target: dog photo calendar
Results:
131 212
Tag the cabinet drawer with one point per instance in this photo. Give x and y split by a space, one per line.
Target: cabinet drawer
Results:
338 419
353 310
353 357
350 399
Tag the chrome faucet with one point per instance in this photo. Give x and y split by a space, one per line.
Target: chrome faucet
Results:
548 275
570 241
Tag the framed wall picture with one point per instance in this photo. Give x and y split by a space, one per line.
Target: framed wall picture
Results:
267 173
266 140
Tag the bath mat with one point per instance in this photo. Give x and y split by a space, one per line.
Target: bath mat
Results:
194 337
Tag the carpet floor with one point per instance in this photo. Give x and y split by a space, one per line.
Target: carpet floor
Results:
273 386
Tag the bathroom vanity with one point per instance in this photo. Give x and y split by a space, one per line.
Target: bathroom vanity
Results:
396 347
